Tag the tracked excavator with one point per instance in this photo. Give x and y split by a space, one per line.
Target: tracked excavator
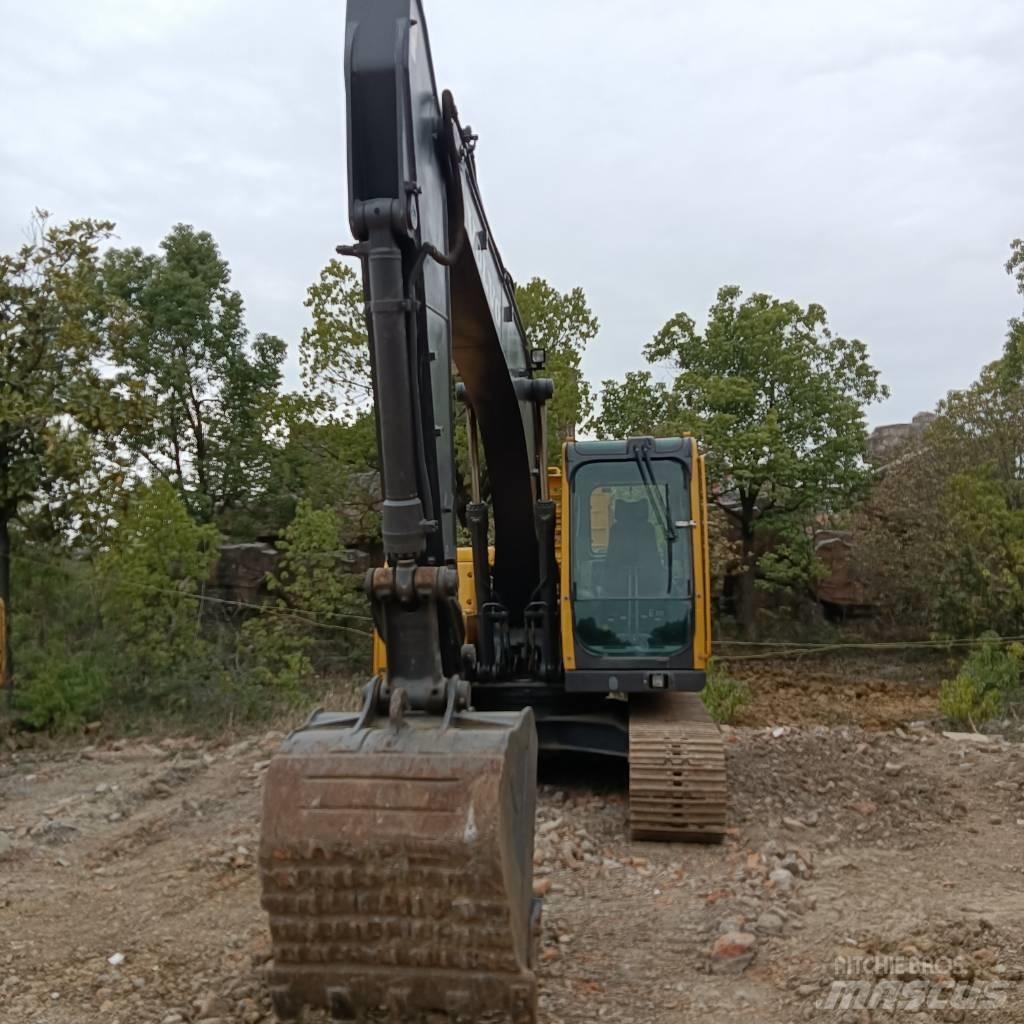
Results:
397 844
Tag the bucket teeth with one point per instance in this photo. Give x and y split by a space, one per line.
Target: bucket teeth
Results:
677 780
396 870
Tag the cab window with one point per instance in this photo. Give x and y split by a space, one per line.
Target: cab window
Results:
632 564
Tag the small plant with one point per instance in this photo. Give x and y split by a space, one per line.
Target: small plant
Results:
987 685
723 696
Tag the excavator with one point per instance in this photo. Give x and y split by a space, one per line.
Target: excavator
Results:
566 610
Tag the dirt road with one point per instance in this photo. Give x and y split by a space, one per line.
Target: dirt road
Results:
881 863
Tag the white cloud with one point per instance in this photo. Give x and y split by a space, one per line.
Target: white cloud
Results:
866 156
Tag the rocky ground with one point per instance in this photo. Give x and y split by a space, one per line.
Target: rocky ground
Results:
868 849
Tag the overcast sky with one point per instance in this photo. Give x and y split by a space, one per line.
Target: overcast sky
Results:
868 156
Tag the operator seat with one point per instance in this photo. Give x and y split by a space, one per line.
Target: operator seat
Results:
633 565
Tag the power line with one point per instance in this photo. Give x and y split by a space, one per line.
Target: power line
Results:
776 648
784 649
299 614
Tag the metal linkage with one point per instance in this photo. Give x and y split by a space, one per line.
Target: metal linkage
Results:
411 599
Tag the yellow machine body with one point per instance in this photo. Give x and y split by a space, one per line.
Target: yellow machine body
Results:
600 526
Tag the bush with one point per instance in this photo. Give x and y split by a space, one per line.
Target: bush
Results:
723 696
987 685
319 622
151 578
62 694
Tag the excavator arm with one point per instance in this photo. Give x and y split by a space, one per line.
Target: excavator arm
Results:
437 295
397 843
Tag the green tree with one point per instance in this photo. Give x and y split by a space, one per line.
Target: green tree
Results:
1013 354
55 403
212 391
941 539
562 324
636 406
1015 265
981 583
331 465
329 456
334 352
982 578
777 401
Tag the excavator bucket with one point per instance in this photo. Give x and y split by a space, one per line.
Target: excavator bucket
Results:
396 862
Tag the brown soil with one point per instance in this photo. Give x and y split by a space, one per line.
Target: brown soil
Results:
857 834
800 691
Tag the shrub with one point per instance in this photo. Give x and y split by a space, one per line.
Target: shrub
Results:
723 696
151 574
62 694
988 683
319 621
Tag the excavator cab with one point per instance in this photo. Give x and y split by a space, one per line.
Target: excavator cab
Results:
634 566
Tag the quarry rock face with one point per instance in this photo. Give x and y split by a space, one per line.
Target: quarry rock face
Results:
885 441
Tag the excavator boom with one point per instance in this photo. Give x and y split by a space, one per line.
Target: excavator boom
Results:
397 844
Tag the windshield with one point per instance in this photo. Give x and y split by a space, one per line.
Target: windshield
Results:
632 567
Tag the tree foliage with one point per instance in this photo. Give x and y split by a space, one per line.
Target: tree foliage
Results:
59 415
330 464
211 390
636 406
329 454
137 370
563 324
334 354
941 540
899 532
1013 354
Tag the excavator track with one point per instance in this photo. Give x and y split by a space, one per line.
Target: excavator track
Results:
677 780
395 867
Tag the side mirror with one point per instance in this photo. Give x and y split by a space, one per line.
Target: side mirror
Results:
538 357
